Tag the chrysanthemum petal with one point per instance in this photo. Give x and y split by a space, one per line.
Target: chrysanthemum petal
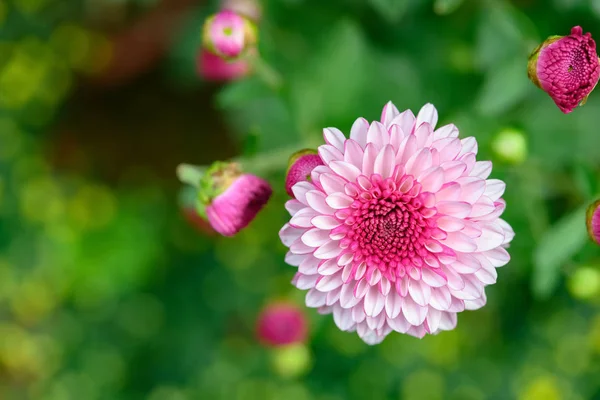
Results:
329 153
458 209
440 299
359 130
315 237
328 250
494 189
326 283
339 201
414 313
384 163
328 267
293 206
315 298
374 302
445 131
334 137
378 135
332 183
309 265
428 114
345 170
389 113
325 222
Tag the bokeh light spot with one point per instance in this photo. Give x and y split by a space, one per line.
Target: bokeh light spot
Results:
423 384
42 200
33 301
510 145
21 76
585 283
291 361
168 393
542 388
92 207
141 317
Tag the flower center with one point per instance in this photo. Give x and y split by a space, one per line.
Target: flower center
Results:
387 226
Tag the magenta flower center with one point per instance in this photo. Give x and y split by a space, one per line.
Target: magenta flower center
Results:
388 229
387 225
575 69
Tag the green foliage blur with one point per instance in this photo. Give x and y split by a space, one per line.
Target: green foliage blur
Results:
108 292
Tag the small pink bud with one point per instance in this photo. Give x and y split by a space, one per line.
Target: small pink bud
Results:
281 324
231 199
228 34
301 165
566 67
593 221
213 68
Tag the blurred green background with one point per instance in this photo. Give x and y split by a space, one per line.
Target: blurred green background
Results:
108 292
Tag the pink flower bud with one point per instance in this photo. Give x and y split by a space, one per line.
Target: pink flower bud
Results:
593 221
230 198
281 324
301 165
566 67
213 68
228 34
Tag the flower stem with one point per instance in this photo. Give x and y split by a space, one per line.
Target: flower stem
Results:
265 163
267 73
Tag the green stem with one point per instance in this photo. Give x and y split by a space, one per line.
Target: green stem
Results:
267 73
190 174
268 162
261 164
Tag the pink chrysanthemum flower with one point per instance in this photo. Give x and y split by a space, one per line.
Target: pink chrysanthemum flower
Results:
566 67
228 34
301 165
593 221
400 229
281 324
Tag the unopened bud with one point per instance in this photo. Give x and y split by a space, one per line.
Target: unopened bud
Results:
211 67
281 324
300 166
566 67
593 221
229 198
228 34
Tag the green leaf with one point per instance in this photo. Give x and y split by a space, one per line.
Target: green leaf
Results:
584 178
181 67
504 87
499 36
251 143
391 10
241 92
556 248
445 7
327 89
